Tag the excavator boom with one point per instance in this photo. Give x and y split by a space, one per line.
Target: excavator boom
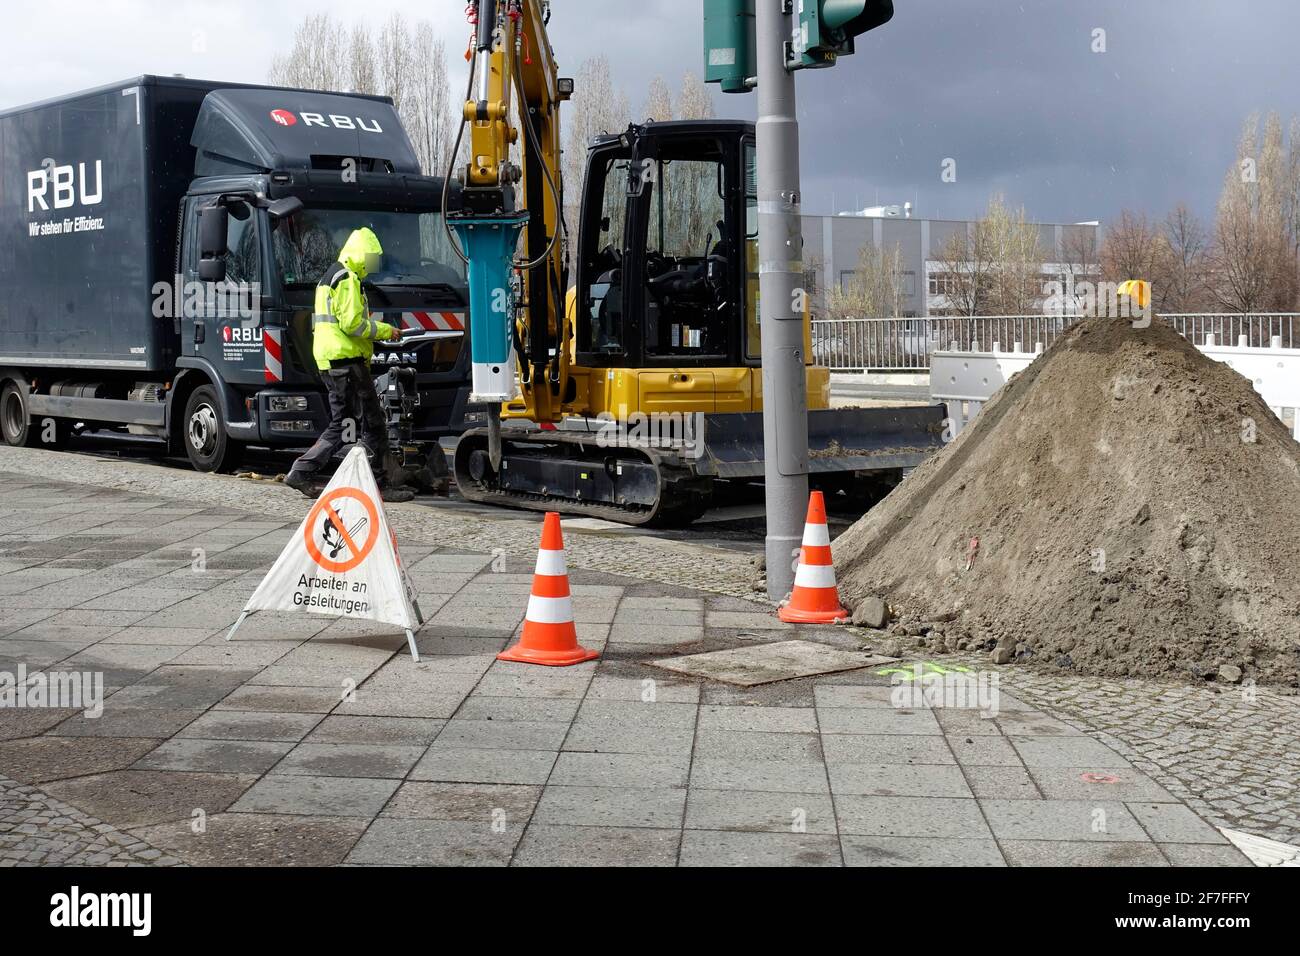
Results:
660 327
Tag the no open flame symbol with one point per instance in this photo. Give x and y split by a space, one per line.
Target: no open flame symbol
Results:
342 529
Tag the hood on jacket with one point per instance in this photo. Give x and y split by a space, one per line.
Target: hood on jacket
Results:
362 252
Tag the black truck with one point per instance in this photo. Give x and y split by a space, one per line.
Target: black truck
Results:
161 240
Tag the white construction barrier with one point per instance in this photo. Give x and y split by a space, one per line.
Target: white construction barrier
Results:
964 381
1274 371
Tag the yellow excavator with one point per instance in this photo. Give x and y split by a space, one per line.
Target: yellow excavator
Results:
631 395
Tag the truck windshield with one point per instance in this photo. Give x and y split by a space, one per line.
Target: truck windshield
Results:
416 249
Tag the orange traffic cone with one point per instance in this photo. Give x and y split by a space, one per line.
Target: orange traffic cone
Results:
550 636
815 598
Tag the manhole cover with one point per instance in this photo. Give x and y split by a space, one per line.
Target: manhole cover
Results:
768 663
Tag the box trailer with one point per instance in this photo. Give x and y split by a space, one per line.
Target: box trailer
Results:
161 240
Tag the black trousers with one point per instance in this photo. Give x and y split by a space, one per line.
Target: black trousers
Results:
352 399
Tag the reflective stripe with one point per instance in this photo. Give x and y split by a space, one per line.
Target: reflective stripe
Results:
363 331
272 348
324 320
815 576
816 534
550 563
543 610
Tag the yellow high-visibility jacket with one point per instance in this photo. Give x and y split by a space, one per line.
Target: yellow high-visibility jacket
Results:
341 326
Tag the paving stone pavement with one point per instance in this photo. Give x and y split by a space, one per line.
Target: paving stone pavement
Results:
37 830
310 740
512 534
1232 754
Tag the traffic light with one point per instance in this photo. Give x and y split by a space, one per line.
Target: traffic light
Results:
823 32
827 28
729 44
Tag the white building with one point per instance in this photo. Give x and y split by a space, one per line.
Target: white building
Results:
832 245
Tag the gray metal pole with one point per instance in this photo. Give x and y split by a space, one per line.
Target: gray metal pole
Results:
780 254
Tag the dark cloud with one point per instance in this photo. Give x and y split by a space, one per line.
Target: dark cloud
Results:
1010 90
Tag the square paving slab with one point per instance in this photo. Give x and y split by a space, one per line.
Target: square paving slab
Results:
768 663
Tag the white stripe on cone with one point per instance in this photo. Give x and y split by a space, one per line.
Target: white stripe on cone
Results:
544 610
816 534
815 576
551 563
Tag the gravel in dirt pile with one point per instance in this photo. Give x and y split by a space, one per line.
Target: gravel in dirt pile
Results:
1137 510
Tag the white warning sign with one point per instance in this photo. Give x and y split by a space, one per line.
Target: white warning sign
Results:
343 559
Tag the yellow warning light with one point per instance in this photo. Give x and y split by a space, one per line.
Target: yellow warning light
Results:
1139 290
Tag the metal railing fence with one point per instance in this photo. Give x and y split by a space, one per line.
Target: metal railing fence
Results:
906 344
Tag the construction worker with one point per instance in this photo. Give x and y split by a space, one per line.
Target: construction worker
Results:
343 341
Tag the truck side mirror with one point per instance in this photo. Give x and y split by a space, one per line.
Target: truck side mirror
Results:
285 208
214 222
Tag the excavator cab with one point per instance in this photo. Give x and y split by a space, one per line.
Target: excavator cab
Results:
665 247
665 326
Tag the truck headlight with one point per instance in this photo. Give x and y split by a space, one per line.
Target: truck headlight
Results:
287 403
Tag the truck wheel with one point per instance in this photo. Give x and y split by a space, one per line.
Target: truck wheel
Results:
16 422
206 442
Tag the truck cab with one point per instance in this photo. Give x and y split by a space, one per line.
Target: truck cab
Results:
188 317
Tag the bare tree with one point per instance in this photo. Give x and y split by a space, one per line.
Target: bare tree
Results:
1291 192
874 289
429 113
318 58
598 106
1183 283
1079 261
397 57
1134 248
994 268
962 274
694 100
407 63
1017 255
1254 256
659 101
363 77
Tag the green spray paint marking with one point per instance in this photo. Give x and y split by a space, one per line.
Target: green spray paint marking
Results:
927 667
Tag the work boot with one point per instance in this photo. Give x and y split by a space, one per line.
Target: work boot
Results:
397 494
303 483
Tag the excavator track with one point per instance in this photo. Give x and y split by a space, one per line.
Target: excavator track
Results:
574 474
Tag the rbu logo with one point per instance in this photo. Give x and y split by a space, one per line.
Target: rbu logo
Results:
240 334
286 118
67 184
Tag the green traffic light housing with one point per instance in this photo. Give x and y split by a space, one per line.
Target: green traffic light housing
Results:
729 54
827 28
824 33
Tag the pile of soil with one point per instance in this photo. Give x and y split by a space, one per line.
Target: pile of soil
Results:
1137 510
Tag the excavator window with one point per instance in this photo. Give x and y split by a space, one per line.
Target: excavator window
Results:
688 303
753 329
602 251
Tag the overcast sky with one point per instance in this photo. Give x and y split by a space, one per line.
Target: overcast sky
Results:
1009 89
